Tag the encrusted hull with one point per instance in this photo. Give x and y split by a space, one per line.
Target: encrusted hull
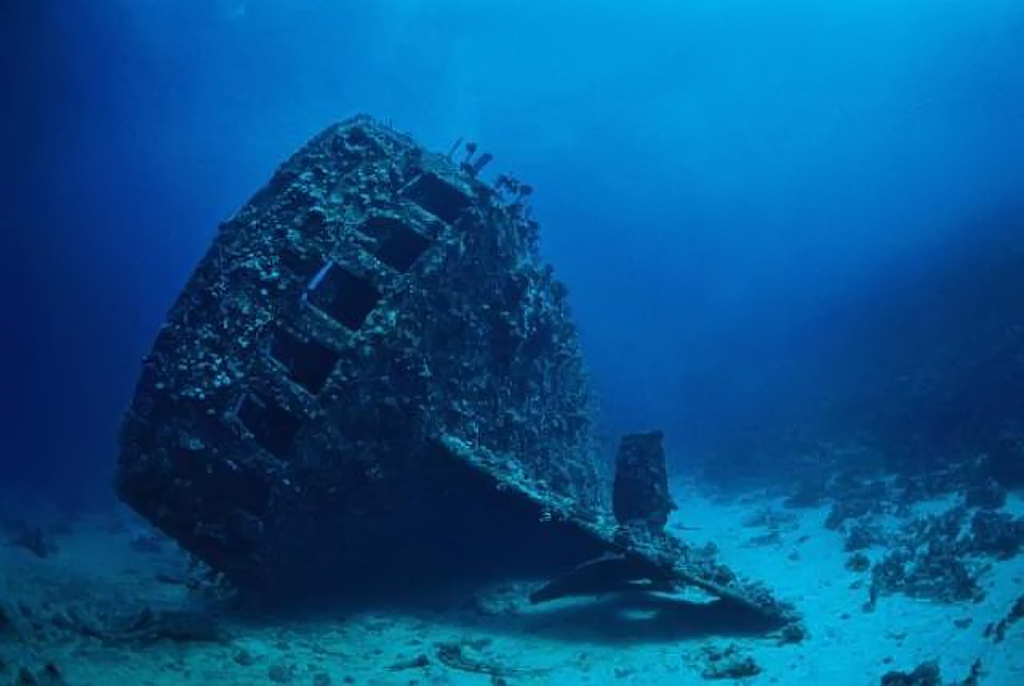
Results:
372 299
372 378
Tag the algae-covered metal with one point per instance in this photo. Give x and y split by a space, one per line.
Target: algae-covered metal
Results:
640 492
371 299
371 374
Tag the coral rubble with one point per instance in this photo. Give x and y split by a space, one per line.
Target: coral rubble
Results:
926 674
997 631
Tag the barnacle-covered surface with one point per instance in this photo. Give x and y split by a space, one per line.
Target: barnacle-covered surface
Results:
373 377
371 297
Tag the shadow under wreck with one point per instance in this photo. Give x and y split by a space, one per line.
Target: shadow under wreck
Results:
372 380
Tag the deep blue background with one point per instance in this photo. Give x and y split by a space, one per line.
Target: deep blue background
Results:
712 176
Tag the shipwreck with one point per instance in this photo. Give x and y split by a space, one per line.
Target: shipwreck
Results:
372 376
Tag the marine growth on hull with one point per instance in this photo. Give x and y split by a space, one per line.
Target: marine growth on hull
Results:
372 378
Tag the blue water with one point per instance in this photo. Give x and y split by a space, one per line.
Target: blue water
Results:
708 175
761 209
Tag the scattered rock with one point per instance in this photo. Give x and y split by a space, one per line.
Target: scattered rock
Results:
929 674
453 656
727 663
738 668
932 576
934 482
987 494
997 631
808 494
770 538
793 632
281 673
863 534
926 674
244 658
771 519
858 562
855 498
975 675
931 557
997 534
418 662
501 602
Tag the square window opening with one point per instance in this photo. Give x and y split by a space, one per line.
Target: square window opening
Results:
343 296
308 362
251 490
273 427
398 244
439 197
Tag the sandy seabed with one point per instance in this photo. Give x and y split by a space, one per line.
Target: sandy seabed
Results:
498 639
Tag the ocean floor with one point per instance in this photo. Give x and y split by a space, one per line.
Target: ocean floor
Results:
108 603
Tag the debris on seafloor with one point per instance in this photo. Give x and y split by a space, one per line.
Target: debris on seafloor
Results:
929 674
925 674
942 556
997 630
421 661
863 534
372 378
453 656
610 573
858 562
640 498
20 659
728 662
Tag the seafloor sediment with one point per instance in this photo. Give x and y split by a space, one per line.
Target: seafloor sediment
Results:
108 604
